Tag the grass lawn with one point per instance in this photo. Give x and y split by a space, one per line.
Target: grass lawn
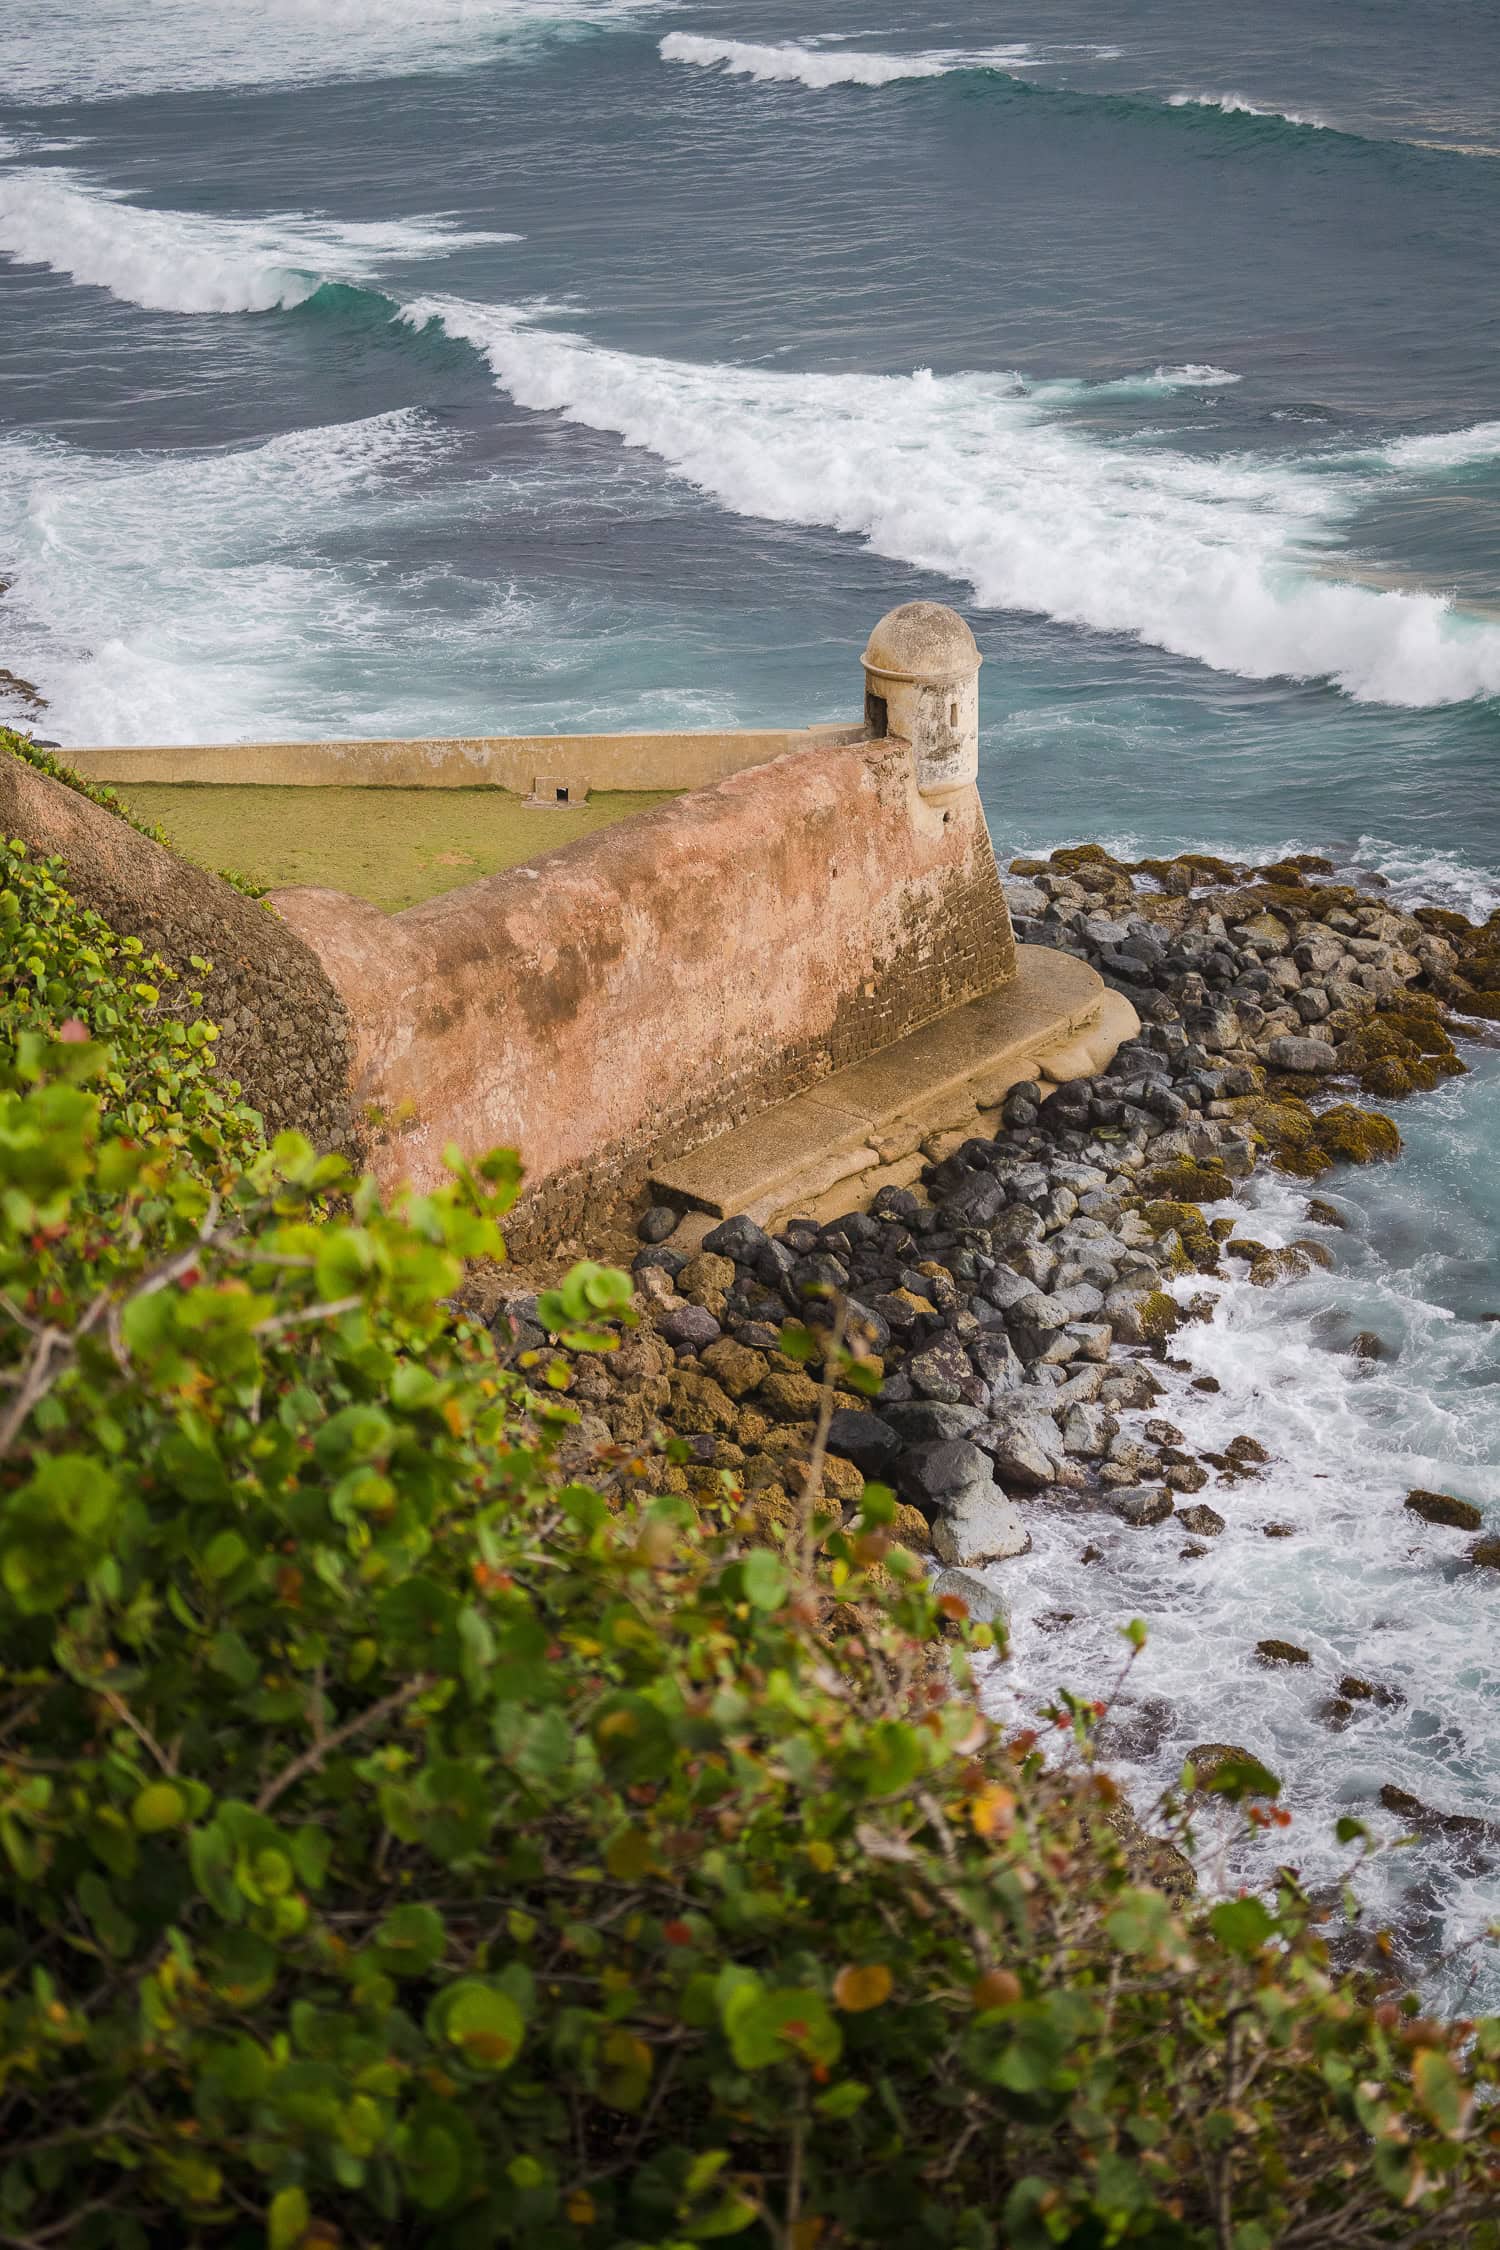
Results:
391 846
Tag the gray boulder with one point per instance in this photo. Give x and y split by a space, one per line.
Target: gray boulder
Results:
981 1526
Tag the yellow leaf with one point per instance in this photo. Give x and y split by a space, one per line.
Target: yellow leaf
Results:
992 1812
581 2208
858 1988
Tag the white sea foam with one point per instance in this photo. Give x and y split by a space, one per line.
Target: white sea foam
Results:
1359 1584
806 64
185 261
1446 449
1237 105
1194 376
95 50
961 476
174 597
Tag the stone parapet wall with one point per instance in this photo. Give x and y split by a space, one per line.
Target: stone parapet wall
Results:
284 1031
643 989
514 762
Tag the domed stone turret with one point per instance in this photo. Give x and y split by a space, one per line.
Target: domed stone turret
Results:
922 684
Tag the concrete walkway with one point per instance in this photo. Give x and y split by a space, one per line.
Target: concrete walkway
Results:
865 1126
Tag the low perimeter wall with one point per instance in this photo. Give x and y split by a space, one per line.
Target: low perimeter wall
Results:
636 992
512 761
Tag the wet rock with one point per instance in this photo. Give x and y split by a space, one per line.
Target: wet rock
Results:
1206 1383
1443 1508
1201 1520
979 1597
657 1223
1246 1452
1142 1316
1275 1652
1210 1759
1486 1553
1184 1476
1132 1387
1136 1731
1356 1690
1336 1712
1160 1432
1358 1136
980 1526
1141 1505
1278 1530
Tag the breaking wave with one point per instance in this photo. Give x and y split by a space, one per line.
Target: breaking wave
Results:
792 62
97 50
184 261
1445 449
963 476
1236 105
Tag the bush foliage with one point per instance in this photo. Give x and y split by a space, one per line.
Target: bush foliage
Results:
402 1843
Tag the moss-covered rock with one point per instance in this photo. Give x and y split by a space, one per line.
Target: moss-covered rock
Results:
1164 1215
1358 1136
1187 1179
1211 1759
1273 1652
1444 1508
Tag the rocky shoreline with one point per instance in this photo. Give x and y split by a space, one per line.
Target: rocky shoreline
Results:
1020 1292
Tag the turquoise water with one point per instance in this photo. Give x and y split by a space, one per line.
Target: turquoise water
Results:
453 365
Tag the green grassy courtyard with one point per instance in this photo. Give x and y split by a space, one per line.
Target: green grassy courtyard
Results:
394 847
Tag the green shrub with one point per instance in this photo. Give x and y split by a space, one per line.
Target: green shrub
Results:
402 1843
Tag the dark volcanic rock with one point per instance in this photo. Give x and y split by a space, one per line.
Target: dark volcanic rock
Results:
870 1443
1443 1508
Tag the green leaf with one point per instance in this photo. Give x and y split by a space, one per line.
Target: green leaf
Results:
483 2023
410 1941
160 1806
224 1554
766 1578
1440 2090
287 2220
1242 1924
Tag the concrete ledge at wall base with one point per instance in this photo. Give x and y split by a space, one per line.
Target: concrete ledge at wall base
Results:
849 1131
578 762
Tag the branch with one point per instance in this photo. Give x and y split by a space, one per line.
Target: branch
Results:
313 1756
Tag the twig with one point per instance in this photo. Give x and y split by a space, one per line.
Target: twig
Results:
316 1752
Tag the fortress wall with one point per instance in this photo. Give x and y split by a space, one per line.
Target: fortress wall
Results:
584 761
643 989
283 1031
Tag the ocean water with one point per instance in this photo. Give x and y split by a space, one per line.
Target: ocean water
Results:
398 366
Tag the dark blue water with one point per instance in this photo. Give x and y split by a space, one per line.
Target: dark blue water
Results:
398 366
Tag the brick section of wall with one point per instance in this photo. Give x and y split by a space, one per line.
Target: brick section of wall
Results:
284 1031
631 995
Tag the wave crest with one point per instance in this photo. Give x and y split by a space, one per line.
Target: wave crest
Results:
186 262
790 62
963 476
